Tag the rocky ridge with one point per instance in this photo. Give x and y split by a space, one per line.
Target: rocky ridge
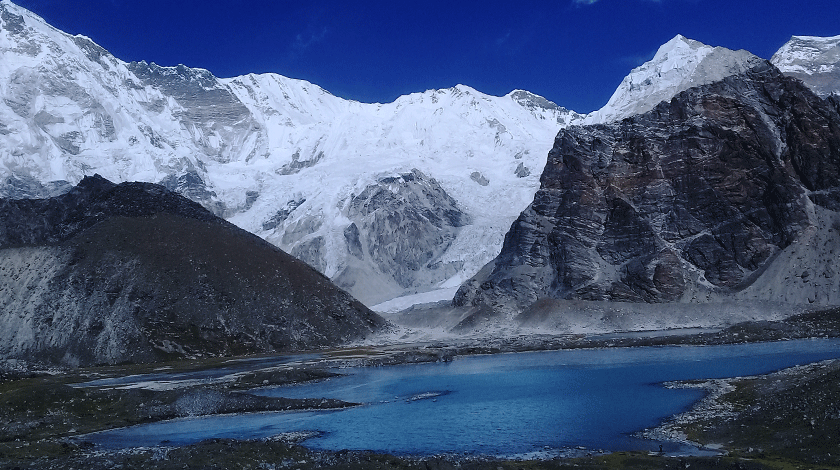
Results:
728 190
109 273
407 224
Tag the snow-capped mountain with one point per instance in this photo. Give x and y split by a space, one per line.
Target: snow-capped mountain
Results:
386 199
678 65
814 60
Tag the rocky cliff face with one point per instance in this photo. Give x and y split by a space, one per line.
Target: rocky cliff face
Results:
133 272
401 227
692 201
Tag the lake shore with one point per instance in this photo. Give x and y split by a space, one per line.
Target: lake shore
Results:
792 415
42 435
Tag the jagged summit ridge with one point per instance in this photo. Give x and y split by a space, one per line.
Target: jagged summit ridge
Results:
280 157
678 65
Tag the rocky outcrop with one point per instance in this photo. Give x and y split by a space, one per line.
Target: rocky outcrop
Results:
133 272
400 228
689 202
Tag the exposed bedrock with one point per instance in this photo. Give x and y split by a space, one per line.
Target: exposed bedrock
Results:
692 201
400 227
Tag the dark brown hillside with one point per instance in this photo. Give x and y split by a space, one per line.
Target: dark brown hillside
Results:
133 272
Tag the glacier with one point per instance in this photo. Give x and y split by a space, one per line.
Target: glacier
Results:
279 157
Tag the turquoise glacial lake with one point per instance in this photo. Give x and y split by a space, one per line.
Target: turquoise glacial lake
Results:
505 405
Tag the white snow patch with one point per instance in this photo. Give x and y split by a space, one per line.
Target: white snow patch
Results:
401 303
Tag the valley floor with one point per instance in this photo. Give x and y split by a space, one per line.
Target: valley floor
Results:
789 419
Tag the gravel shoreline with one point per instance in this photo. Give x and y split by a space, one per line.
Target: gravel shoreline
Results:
44 413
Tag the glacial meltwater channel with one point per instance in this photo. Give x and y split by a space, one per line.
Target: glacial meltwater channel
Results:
506 404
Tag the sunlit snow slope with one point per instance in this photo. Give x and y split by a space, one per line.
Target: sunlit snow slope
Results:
678 65
814 60
385 199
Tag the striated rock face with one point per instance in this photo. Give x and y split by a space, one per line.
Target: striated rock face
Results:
133 272
401 227
692 200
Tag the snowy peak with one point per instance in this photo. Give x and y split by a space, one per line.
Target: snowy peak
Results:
678 65
280 157
70 108
14 18
28 31
814 60
808 54
679 52
530 100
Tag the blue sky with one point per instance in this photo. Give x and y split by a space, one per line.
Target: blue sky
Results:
573 52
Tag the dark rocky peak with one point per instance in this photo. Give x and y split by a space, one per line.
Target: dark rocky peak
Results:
532 101
697 195
134 272
134 199
94 199
93 184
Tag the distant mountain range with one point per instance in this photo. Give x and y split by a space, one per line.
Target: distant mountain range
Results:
387 200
